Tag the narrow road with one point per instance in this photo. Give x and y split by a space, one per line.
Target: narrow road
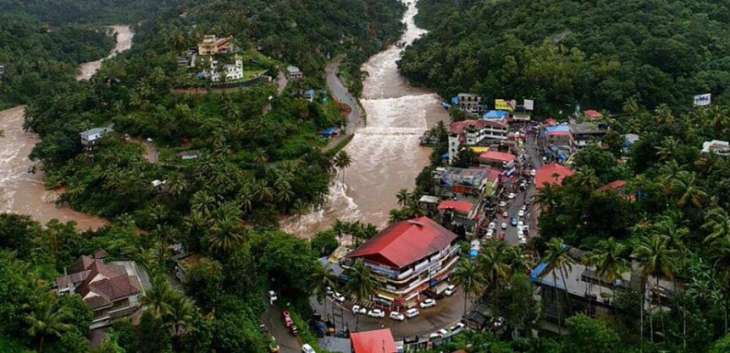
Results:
342 95
272 320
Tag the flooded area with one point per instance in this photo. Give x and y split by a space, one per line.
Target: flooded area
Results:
22 189
124 37
386 155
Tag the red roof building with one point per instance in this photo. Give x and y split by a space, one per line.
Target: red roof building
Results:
550 122
551 174
376 341
402 252
458 127
497 159
593 114
460 206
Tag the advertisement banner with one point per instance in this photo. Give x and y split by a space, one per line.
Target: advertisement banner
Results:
703 100
529 104
501 104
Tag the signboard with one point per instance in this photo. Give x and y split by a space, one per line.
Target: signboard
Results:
703 100
529 104
501 104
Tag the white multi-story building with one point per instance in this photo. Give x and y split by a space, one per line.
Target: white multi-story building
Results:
473 132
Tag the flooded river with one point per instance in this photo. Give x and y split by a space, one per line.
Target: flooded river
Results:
23 192
386 156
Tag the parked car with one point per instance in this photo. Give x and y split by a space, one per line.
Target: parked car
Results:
273 346
492 225
505 214
513 221
376 313
306 348
330 292
412 312
450 289
339 297
498 322
356 309
272 297
394 315
502 204
533 172
504 225
511 195
427 303
522 239
490 233
521 213
439 334
456 328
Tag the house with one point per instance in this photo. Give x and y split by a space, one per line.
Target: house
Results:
212 45
499 160
585 134
629 141
551 174
720 148
470 103
376 341
112 290
184 264
408 258
458 213
309 95
188 155
465 181
474 132
231 72
593 115
590 292
293 73
92 136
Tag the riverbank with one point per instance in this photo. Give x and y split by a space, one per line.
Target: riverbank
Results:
22 181
385 152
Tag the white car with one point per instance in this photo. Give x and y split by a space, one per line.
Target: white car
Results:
356 309
458 327
272 297
520 225
339 297
394 315
427 303
498 322
490 233
492 225
450 289
502 204
521 238
376 313
439 334
521 213
505 214
533 172
330 292
511 195
412 312
306 348
504 225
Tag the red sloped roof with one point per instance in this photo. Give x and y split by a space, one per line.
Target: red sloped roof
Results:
460 206
593 114
406 242
458 127
551 122
551 174
497 156
558 133
376 341
616 185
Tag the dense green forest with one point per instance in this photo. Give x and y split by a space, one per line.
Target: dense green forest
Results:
105 12
40 60
562 53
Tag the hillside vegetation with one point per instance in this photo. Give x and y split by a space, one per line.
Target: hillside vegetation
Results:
596 53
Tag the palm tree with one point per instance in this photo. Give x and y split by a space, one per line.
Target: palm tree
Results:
608 260
549 197
342 161
403 197
157 299
492 265
47 319
668 149
227 231
657 258
361 284
717 224
558 259
321 280
685 186
180 317
468 276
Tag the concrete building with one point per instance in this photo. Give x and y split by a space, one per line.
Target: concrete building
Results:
451 182
294 73
407 259
585 134
212 45
474 133
231 72
470 103
92 136
718 147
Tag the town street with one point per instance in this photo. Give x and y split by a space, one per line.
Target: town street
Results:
534 157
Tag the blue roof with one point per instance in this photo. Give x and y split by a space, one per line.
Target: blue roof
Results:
455 100
496 115
537 271
558 128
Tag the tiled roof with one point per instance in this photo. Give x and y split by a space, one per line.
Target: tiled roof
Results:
376 341
405 243
497 156
460 206
99 283
552 174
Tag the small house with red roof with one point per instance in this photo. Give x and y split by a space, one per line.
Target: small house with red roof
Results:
591 114
406 259
376 341
111 290
502 160
458 213
552 174
619 187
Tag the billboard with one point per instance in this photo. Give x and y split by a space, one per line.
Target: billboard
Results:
501 104
703 100
529 104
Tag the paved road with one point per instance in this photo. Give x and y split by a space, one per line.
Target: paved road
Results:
447 312
342 95
272 320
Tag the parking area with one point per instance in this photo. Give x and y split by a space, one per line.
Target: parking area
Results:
447 312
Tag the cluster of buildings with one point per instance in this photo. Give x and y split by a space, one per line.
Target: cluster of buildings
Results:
560 141
212 45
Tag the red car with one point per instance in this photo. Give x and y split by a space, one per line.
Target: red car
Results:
289 323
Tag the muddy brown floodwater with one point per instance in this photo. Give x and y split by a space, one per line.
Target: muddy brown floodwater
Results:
386 155
22 191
